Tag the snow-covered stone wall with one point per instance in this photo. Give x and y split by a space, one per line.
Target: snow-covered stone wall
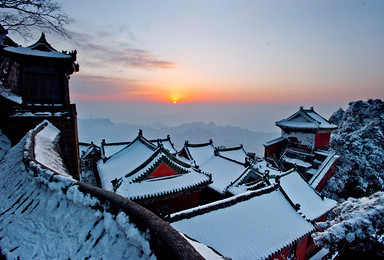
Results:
45 214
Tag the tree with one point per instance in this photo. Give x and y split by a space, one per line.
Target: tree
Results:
358 226
23 16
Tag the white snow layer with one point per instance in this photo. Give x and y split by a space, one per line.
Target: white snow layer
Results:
123 163
5 144
10 95
224 172
38 222
46 151
252 229
312 206
161 186
31 52
237 155
201 154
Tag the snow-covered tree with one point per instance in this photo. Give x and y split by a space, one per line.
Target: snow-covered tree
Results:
358 225
359 141
22 16
337 117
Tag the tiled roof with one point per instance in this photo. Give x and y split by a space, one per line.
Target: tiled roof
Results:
41 49
155 187
224 172
199 153
255 228
234 153
312 205
130 167
323 169
125 161
306 119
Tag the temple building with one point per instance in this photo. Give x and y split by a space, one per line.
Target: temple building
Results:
303 145
150 175
34 86
261 224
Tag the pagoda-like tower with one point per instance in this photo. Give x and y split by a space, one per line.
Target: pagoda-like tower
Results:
34 85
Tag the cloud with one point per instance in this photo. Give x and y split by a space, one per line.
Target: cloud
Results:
101 49
88 87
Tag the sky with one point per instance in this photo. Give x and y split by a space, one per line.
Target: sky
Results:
241 63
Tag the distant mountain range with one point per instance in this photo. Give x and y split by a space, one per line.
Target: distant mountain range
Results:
197 132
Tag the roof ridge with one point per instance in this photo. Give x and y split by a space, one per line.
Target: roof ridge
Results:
187 144
189 213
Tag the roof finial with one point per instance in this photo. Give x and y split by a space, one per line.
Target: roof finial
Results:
312 108
301 107
140 132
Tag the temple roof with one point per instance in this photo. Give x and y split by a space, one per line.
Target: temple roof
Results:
323 168
306 119
234 153
125 161
252 225
130 168
110 149
224 172
150 188
312 205
199 153
41 49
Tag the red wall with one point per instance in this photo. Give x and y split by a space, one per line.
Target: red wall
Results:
274 148
282 255
175 204
301 248
322 140
161 171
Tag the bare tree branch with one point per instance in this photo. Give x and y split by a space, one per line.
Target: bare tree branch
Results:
23 16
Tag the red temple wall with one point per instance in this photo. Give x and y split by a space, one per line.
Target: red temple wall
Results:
326 177
322 140
162 171
274 148
175 204
301 248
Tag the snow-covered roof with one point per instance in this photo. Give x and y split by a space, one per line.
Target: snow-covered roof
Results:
166 143
224 172
125 161
10 95
248 226
130 168
312 206
86 150
199 153
296 161
323 169
41 49
111 149
234 153
274 141
156 187
306 119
